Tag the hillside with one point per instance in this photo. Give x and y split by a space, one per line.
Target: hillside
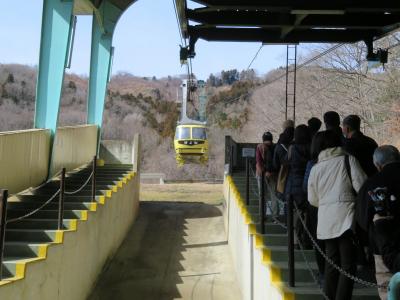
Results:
133 105
240 104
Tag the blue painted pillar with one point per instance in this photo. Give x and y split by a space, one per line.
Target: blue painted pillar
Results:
104 23
55 40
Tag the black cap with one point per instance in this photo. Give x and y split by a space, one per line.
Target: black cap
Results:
267 136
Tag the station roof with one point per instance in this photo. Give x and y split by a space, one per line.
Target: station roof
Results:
288 21
85 7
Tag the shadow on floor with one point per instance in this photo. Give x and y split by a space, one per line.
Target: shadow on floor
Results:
173 251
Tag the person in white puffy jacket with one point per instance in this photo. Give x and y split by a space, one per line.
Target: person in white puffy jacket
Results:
332 187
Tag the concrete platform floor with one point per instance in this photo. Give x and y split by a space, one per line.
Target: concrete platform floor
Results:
173 251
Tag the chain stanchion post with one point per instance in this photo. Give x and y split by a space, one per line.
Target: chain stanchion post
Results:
290 229
3 216
94 167
262 205
61 200
247 181
231 161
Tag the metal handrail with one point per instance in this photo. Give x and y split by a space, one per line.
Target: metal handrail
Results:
61 200
3 216
60 192
35 210
290 229
262 206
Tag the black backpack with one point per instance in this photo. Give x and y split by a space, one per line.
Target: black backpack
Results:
268 157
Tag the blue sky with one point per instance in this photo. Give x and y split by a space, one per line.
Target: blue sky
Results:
146 42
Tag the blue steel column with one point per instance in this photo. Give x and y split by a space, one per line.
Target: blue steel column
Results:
101 58
56 31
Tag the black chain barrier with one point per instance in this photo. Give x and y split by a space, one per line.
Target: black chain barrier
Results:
34 211
315 245
82 187
277 221
338 268
50 200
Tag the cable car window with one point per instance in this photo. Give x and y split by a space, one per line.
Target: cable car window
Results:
182 133
199 133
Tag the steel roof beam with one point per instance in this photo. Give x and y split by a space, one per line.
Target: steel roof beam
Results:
287 29
307 5
274 36
183 21
270 19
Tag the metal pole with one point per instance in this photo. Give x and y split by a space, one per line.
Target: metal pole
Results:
231 161
287 79
247 181
262 205
290 229
3 216
294 83
61 201
94 166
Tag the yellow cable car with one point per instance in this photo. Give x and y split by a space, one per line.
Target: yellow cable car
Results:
191 144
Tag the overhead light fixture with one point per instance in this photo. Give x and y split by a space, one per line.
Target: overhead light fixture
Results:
236 27
279 44
317 12
328 28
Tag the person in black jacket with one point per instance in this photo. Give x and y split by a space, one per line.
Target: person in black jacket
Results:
377 212
387 262
314 125
359 145
281 147
298 156
332 122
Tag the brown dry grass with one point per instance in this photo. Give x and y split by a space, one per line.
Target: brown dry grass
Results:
182 192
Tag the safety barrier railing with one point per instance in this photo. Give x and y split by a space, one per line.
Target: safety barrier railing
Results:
260 194
291 209
263 203
327 259
3 216
61 192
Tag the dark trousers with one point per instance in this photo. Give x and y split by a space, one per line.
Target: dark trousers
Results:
302 205
342 252
313 221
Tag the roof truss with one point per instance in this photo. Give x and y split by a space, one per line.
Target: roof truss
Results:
288 21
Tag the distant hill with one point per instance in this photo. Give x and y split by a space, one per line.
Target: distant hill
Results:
133 105
240 104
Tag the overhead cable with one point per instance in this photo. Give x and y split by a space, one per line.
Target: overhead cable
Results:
255 56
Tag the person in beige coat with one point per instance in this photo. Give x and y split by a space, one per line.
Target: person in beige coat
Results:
332 187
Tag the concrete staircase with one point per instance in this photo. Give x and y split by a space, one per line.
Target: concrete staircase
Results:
275 252
27 240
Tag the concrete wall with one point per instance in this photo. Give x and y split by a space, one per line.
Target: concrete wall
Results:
24 158
74 146
24 155
256 275
116 151
136 161
71 268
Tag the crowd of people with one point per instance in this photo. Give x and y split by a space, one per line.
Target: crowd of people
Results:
345 189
